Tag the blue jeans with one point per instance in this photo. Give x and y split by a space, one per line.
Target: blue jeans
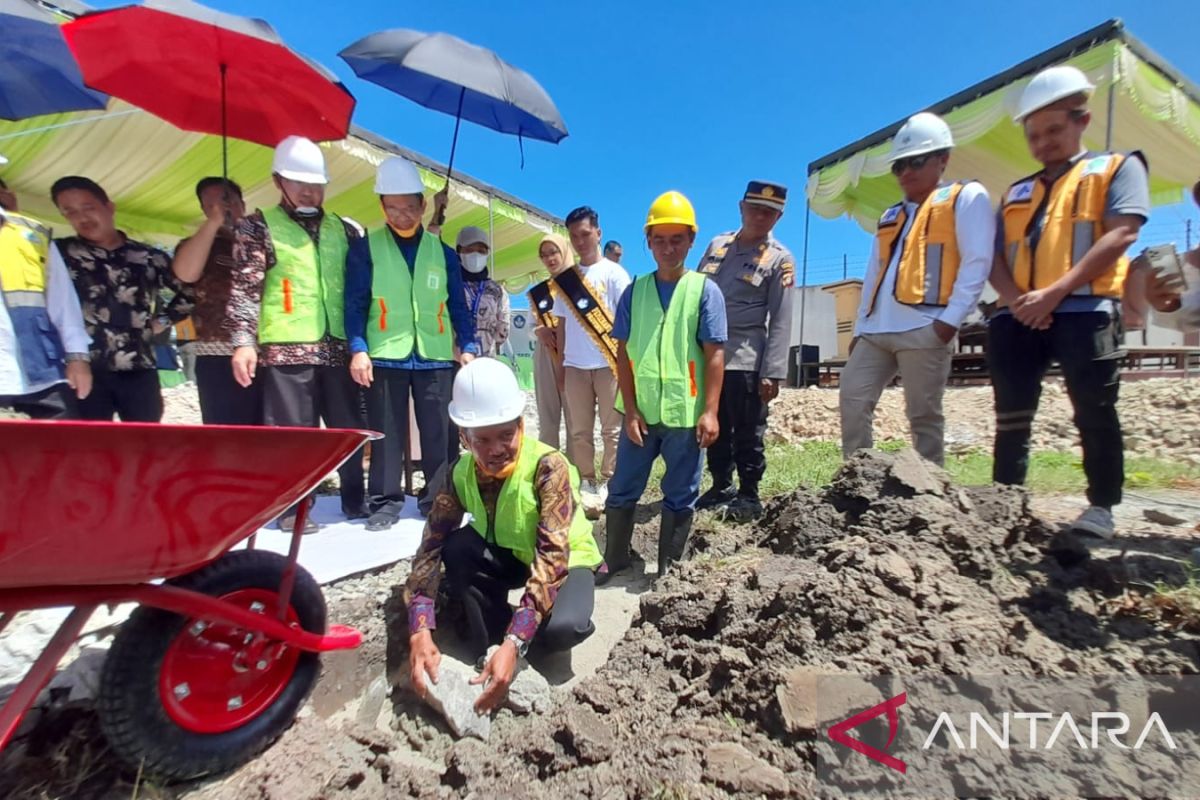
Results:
680 452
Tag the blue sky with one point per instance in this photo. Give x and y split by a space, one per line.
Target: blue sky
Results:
701 96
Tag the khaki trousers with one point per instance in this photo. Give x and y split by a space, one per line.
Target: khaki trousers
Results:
923 361
545 389
585 392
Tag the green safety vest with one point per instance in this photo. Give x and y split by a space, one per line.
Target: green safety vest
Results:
303 293
666 360
515 525
408 306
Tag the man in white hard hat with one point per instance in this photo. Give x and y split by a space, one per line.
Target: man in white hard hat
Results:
286 309
929 262
1060 271
408 322
44 362
527 529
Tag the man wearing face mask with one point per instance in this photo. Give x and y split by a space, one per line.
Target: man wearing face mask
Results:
487 302
285 310
205 262
407 318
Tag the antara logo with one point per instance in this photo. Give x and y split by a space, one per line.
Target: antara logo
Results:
889 707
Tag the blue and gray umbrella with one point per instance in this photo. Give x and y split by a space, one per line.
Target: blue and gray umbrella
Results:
444 73
38 73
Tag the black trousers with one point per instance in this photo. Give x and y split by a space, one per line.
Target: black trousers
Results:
223 401
387 412
1087 347
305 395
742 416
55 402
482 574
133 395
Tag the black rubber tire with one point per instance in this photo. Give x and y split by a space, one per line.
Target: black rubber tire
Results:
131 712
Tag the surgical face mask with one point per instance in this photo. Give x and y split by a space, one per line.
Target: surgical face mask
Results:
475 262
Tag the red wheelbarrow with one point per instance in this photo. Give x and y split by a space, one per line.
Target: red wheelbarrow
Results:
218 658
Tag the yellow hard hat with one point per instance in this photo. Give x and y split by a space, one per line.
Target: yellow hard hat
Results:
672 208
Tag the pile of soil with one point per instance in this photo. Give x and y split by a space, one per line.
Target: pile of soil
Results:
891 570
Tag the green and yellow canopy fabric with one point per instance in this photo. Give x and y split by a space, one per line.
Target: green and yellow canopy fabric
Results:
1140 103
150 169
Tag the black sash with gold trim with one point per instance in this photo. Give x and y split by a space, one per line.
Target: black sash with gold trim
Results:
593 317
541 300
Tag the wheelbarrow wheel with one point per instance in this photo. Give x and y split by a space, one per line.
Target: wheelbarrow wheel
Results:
181 698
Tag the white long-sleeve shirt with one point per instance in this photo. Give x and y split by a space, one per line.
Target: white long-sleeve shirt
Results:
975 227
62 306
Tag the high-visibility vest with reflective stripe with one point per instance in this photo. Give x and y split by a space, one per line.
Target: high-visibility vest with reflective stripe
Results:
304 292
1073 222
514 526
24 254
666 360
408 307
929 260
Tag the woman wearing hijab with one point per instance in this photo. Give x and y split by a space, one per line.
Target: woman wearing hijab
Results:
486 300
556 255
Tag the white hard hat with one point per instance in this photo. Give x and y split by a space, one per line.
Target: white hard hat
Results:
923 133
1049 86
486 393
398 175
299 159
471 235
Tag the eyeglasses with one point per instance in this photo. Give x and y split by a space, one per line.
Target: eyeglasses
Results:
915 162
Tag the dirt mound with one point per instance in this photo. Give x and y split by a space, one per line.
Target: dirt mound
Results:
891 570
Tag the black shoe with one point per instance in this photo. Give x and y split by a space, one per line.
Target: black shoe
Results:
744 508
618 554
385 516
358 511
288 525
672 538
716 497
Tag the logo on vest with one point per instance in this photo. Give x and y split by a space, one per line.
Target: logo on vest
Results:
942 194
1020 192
433 282
1095 166
890 216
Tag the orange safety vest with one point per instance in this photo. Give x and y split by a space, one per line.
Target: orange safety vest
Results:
1072 223
929 261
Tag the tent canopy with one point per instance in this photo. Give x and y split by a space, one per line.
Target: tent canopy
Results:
1140 103
150 168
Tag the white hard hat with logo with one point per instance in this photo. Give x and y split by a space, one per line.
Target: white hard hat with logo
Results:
299 159
398 175
1049 86
922 133
486 393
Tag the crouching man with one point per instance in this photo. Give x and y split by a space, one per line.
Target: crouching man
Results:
527 529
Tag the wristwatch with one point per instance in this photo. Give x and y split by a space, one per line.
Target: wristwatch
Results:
521 645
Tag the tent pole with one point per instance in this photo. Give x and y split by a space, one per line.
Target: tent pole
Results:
1108 128
491 238
803 381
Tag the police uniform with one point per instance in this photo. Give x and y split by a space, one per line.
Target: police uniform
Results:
754 280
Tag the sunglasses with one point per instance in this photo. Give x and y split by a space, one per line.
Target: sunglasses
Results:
915 162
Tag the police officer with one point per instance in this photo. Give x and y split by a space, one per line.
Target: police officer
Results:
754 272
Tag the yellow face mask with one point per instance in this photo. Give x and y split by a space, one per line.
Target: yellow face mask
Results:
407 234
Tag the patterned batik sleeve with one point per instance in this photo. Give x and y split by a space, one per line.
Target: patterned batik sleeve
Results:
182 301
553 551
246 286
421 589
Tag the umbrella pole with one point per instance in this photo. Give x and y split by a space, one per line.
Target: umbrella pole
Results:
224 130
439 218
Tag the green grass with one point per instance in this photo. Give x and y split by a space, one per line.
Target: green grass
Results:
813 464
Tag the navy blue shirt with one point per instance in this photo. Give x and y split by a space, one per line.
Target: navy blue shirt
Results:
712 327
359 275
